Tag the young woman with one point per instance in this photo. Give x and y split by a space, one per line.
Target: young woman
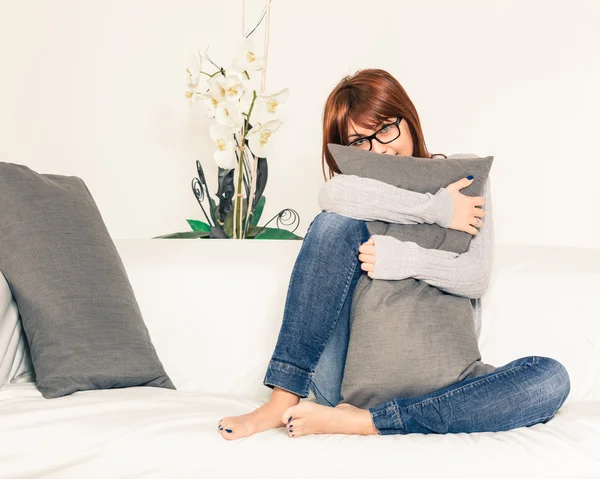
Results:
370 110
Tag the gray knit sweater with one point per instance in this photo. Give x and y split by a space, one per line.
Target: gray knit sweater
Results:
466 274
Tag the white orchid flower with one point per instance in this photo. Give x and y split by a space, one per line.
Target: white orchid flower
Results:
192 95
238 72
193 79
267 106
259 138
232 87
224 156
228 114
247 57
193 71
246 101
210 103
213 96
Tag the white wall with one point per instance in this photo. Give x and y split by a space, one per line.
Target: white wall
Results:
95 89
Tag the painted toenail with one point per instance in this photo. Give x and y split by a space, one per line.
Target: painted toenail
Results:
228 430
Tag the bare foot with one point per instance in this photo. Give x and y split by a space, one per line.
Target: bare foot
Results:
268 416
311 418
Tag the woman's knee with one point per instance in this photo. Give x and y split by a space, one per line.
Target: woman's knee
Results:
558 382
327 225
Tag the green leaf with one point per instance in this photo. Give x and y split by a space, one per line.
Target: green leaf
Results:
184 235
198 225
213 210
252 231
277 233
258 209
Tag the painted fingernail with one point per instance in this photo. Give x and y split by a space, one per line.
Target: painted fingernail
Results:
470 177
291 425
220 429
289 419
228 430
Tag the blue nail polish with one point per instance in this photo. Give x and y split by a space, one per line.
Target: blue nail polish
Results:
470 177
292 434
228 430
291 425
289 419
220 429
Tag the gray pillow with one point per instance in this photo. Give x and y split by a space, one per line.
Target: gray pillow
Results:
79 313
408 338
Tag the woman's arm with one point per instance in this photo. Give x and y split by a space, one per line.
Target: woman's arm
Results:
466 274
371 200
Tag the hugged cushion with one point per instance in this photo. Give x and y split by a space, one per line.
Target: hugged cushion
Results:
408 338
79 313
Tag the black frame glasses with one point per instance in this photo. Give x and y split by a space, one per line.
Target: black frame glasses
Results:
374 135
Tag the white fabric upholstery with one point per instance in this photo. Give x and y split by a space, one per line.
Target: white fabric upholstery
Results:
15 363
214 308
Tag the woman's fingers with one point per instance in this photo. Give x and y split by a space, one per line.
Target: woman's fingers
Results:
478 212
478 201
366 258
367 267
460 184
367 248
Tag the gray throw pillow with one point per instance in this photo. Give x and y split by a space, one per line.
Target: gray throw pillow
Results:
80 316
408 338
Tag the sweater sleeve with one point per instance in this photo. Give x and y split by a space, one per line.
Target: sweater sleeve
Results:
371 200
466 274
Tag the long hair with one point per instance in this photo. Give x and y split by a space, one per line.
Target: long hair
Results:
368 98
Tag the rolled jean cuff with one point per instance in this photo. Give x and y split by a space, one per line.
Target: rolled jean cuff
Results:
288 377
386 419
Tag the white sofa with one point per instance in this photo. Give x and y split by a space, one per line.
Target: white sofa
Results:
214 307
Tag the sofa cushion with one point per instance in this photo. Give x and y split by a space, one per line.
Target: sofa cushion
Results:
79 313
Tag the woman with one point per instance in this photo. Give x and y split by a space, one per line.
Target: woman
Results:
370 110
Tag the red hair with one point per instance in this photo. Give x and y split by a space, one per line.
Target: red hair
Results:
368 98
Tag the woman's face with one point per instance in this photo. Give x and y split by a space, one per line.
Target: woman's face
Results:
403 145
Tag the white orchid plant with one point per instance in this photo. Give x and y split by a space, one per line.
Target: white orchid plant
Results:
243 121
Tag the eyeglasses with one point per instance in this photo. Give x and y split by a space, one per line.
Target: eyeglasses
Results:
386 134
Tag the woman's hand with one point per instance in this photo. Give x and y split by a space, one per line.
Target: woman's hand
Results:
466 209
367 256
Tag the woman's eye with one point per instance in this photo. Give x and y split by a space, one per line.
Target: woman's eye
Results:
358 142
385 129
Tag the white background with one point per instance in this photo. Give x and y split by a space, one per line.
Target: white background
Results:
95 89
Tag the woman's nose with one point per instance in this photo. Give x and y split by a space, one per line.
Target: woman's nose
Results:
378 147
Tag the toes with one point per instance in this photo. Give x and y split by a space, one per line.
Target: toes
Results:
295 427
288 415
226 432
225 426
229 435
228 429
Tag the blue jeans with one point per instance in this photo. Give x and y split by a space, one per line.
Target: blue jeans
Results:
310 353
